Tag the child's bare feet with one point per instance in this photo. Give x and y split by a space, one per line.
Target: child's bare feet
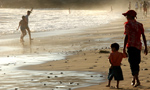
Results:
21 40
107 85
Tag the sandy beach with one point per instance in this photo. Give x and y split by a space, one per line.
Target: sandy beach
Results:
84 51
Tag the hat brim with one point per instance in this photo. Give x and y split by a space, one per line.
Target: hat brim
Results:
125 14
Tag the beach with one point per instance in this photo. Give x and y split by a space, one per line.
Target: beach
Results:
80 54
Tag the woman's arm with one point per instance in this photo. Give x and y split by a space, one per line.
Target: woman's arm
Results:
125 43
145 44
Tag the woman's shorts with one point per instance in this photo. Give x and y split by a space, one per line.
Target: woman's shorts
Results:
134 58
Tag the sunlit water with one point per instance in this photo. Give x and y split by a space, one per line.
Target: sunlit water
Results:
48 80
55 21
12 79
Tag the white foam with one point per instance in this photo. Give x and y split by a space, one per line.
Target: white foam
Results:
50 19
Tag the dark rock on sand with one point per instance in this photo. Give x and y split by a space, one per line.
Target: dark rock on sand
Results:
61 73
103 51
101 76
144 69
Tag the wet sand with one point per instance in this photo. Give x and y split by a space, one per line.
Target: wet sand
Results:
82 50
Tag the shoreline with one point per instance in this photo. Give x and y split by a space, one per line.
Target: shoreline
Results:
70 64
85 47
93 61
101 85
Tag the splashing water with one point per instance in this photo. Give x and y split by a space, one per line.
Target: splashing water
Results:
54 19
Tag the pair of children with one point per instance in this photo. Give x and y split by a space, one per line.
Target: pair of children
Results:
23 24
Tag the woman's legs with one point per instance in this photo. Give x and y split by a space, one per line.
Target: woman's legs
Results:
134 60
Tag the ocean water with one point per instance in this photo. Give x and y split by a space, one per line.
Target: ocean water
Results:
12 78
54 19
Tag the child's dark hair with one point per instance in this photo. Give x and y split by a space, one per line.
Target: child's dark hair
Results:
115 45
23 17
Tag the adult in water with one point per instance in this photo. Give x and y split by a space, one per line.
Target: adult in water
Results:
129 6
145 8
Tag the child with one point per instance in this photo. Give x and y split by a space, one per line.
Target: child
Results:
22 25
115 70
27 20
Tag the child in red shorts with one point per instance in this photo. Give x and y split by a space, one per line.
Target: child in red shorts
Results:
115 70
